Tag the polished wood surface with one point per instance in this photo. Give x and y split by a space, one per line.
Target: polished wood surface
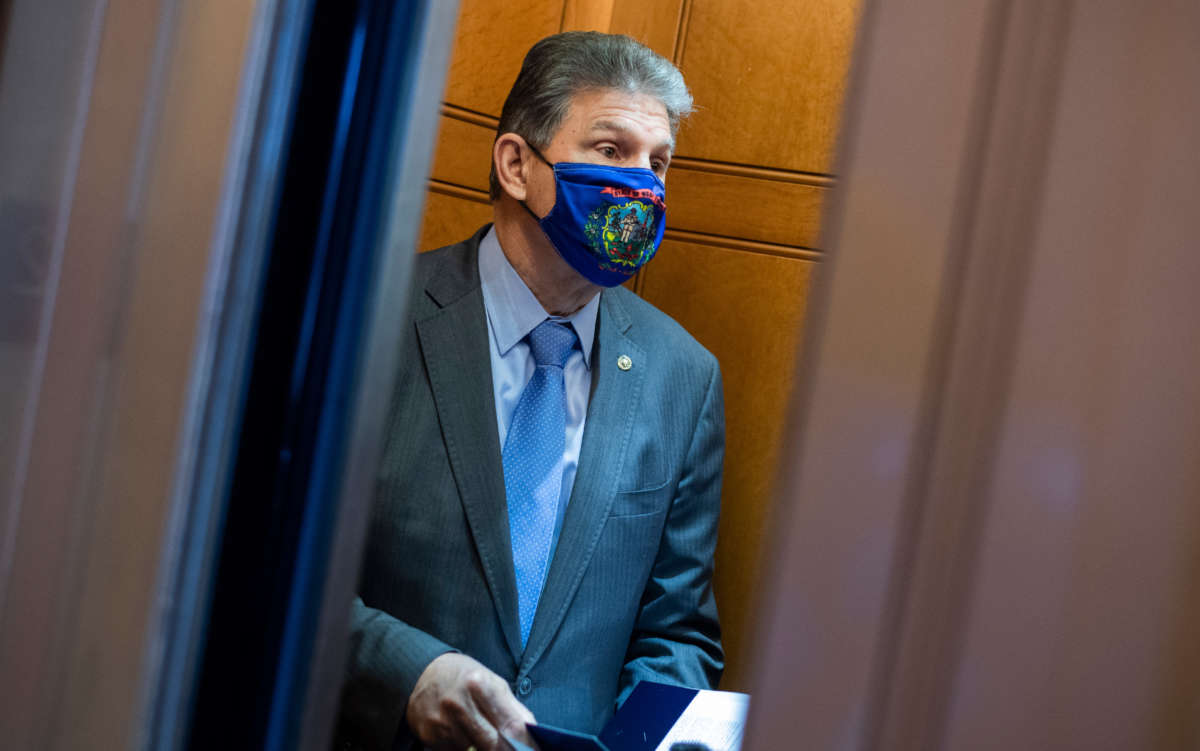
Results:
745 196
490 42
449 209
464 151
768 79
769 210
655 24
587 15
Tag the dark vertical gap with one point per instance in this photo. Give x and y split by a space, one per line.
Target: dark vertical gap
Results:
324 249
386 35
5 15
681 27
262 518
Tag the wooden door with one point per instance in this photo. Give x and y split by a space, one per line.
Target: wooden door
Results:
746 190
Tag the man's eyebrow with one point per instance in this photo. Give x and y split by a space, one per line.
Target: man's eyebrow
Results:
616 125
619 127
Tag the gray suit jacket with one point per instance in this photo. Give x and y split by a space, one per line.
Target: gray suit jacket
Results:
629 591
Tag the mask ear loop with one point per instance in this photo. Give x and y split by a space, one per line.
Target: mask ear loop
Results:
538 154
545 161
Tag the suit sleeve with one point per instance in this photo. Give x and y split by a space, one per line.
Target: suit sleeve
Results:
387 656
677 638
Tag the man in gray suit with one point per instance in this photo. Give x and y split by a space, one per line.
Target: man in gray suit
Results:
544 524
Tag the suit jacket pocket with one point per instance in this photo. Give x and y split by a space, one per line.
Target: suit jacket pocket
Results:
648 501
645 467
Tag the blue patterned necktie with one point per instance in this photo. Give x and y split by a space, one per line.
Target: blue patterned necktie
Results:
533 452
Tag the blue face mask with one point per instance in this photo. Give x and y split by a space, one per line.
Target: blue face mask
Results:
607 222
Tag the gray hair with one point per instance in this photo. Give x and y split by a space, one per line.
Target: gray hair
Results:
562 65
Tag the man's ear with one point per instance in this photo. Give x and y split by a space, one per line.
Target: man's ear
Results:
511 156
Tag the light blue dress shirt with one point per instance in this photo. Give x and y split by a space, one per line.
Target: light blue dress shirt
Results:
512 312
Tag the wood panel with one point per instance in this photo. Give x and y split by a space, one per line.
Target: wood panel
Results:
464 152
655 25
735 307
490 42
761 208
587 15
768 80
451 215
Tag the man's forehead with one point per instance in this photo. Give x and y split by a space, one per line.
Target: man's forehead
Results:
619 111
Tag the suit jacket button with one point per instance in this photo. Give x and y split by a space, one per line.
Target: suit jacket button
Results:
624 363
524 686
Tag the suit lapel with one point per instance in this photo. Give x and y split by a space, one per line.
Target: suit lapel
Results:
612 408
454 341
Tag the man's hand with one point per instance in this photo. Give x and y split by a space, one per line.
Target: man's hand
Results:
458 703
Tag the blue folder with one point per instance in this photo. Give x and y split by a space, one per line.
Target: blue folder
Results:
639 725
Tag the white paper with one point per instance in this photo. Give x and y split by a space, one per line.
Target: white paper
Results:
715 718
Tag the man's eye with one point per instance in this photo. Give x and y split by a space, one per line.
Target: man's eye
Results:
658 165
609 151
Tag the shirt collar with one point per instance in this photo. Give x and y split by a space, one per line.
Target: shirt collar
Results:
513 310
